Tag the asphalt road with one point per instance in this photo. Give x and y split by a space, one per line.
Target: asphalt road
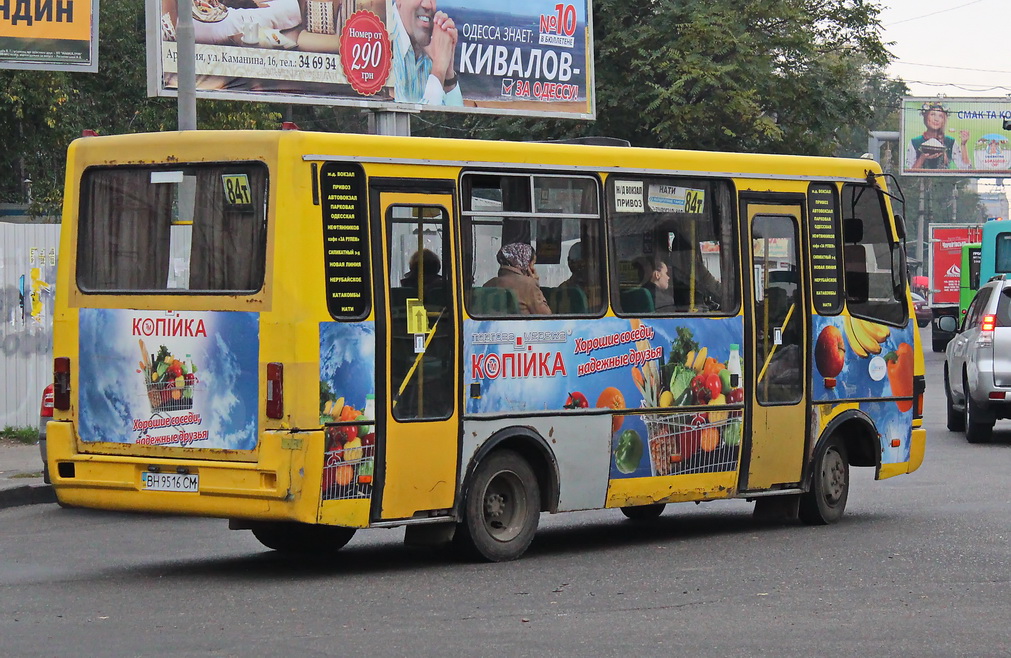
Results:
917 567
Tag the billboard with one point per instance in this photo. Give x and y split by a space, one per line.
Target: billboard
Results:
49 35
530 57
961 137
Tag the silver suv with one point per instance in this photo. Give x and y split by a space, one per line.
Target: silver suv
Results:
977 365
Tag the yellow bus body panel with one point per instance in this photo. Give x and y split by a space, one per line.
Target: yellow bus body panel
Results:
671 489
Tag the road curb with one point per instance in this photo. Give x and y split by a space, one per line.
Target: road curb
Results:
28 494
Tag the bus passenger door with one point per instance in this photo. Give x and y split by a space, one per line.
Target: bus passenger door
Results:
417 339
775 450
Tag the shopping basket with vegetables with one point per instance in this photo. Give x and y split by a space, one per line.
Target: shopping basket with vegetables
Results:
170 382
694 442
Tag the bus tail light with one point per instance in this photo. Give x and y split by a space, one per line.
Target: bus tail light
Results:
275 390
61 383
919 388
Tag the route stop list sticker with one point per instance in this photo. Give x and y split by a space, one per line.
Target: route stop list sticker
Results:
365 52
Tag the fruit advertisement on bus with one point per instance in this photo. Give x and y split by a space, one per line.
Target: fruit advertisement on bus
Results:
347 389
674 388
169 378
859 359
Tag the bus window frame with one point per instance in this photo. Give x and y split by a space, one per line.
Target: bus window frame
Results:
898 279
470 218
84 200
445 218
733 219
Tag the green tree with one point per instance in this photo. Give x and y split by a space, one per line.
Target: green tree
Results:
752 75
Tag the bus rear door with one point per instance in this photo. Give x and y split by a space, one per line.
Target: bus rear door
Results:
417 386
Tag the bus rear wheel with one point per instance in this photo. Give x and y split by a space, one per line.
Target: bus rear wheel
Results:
830 485
502 508
644 512
305 538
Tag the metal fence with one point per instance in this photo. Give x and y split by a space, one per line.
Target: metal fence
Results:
28 253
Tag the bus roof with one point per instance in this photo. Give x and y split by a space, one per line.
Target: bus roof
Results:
209 145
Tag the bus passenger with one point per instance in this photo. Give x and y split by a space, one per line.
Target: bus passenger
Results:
430 268
517 273
654 276
579 279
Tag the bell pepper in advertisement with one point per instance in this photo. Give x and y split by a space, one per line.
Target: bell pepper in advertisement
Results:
900 374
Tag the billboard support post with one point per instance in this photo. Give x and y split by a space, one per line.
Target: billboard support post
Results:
187 72
921 229
386 122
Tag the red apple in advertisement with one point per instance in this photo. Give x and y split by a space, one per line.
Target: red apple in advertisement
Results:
830 352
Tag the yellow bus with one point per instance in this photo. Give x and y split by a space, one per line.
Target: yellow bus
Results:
308 334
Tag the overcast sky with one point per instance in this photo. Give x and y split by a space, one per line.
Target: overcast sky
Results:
951 47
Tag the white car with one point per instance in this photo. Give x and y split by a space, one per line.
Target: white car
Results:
977 364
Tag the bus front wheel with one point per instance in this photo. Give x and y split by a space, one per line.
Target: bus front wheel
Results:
502 508
830 485
290 537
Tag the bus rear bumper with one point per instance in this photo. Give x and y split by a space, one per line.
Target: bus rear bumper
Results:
275 487
917 449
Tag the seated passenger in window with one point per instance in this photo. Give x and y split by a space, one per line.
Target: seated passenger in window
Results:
654 276
687 267
430 268
580 279
516 272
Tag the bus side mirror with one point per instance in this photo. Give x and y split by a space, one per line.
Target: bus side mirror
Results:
853 230
900 226
947 323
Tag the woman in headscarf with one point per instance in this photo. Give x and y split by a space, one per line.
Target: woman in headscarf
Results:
516 272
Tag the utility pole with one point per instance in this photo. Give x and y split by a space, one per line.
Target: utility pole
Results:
186 71
921 228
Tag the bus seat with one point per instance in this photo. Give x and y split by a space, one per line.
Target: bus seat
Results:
566 300
398 299
637 300
493 301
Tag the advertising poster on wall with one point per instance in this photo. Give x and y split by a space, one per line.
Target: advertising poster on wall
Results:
531 57
961 137
58 35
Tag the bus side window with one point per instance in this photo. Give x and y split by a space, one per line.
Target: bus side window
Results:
552 220
875 286
672 239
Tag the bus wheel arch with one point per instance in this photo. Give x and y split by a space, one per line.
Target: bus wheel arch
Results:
510 481
850 440
530 445
858 435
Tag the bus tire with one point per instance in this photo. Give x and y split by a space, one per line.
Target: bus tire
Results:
501 509
825 502
643 512
291 537
955 419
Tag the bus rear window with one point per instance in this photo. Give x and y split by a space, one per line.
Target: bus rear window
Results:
198 228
